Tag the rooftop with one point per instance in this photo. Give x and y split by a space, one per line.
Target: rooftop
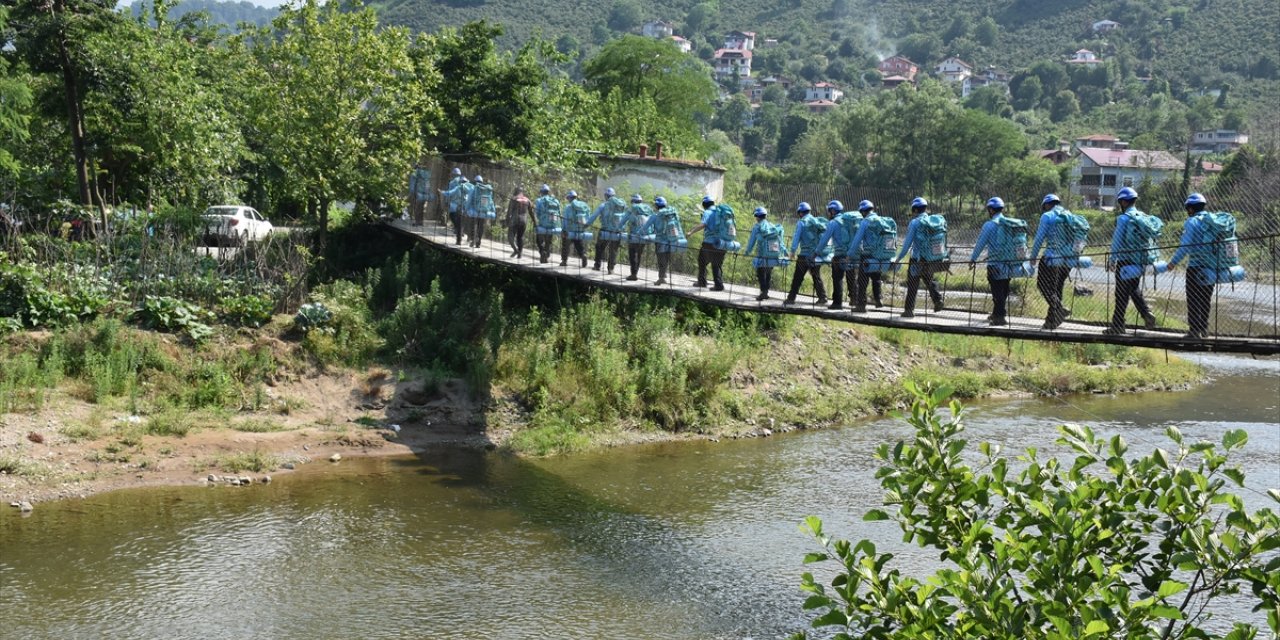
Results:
1135 158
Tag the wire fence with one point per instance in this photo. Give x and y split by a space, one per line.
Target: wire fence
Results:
1250 308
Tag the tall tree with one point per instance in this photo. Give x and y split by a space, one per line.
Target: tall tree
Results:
342 109
50 36
15 102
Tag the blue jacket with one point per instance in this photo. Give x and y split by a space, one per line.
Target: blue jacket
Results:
637 216
854 250
611 214
757 238
1196 244
457 194
655 226
987 240
1048 221
836 235
808 240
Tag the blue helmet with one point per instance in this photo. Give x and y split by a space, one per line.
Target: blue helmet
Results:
1127 193
866 205
803 207
760 212
995 203
1195 198
571 195
1051 199
457 171
835 205
609 193
919 203
544 189
480 179
637 199
659 202
708 201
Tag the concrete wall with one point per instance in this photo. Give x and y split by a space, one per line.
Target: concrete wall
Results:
630 176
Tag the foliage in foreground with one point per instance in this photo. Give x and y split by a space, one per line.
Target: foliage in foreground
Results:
1102 546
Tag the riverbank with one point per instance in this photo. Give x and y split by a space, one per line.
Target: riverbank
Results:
254 403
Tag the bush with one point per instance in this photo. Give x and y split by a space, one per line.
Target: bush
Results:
246 311
176 316
1102 546
349 336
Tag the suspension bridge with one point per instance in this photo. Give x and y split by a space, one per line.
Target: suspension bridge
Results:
1245 317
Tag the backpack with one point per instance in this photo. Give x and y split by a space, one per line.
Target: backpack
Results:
881 238
548 212
1009 251
483 195
847 229
1139 244
1225 252
635 222
1072 234
770 240
578 214
934 229
670 233
726 227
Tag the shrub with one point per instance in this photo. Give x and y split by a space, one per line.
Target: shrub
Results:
170 314
1102 546
246 311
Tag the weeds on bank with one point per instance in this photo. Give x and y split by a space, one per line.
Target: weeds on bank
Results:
15 465
255 461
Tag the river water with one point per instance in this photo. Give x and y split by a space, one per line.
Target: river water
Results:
669 541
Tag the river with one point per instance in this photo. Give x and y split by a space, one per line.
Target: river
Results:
668 541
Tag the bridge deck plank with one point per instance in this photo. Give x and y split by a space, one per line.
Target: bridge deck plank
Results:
736 296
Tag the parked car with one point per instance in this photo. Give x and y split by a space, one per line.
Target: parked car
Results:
234 225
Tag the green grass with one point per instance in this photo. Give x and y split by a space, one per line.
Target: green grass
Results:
258 425
255 461
15 465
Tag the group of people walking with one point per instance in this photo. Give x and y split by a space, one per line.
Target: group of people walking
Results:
861 246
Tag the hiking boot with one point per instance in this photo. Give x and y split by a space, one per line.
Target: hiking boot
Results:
938 306
821 301
879 305
788 302
763 296
632 278
861 308
999 322
1149 323
564 263
835 306
584 263
718 287
1113 331
700 283
595 268
908 314
661 281
610 271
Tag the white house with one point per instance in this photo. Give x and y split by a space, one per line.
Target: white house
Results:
823 91
740 40
657 29
1100 173
683 44
1105 26
1085 57
990 76
727 62
953 69
1218 141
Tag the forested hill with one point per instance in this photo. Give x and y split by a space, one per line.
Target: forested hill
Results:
1195 45
224 13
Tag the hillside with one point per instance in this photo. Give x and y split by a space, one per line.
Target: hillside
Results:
1195 45
229 14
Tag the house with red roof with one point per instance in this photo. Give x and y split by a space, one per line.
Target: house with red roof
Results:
898 66
728 62
1100 173
822 91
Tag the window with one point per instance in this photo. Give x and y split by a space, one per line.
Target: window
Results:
1109 181
1090 181
1128 181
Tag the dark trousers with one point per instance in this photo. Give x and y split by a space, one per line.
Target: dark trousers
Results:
455 217
764 275
635 253
543 241
607 249
708 254
1198 300
805 265
416 209
579 250
477 230
863 278
515 237
999 294
840 276
664 263
1127 290
917 271
1050 280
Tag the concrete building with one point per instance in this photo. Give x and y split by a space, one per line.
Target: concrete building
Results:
745 40
823 91
1218 141
1100 173
953 69
628 173
727 62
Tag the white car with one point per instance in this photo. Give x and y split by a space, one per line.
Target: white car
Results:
234 224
